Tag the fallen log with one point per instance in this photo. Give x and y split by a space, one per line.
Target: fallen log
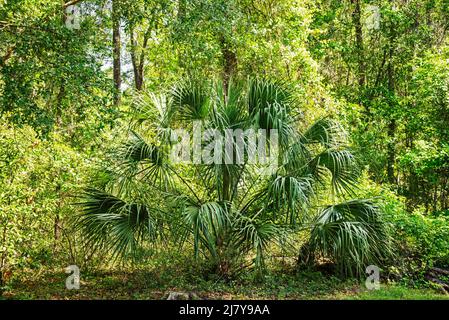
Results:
439 270
443 285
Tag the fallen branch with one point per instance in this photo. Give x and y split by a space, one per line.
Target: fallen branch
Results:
439 270
70 3
439 282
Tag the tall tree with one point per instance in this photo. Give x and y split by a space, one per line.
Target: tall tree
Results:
116 50
357 21
144 19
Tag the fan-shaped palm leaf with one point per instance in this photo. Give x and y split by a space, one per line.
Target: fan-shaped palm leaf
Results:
353 234
112 223
208 222
255 233
138 158
190 100
326 132
291 192
340 164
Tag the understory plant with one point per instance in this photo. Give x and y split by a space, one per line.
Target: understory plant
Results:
229 213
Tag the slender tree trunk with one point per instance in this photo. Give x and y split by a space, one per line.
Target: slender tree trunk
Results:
139 82
435 198
229 63
226 184
443 193
116 51
229 66
138 61
57 229
137 75
181 16
356 20
4 257
57 220
391 153
391 130
59 108
412 180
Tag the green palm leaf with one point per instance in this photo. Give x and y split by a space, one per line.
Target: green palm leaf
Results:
352 234
112 223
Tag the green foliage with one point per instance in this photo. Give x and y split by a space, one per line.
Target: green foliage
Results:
51 76
352 100
395 75
425 240
38 180
231 210
420 239
353 234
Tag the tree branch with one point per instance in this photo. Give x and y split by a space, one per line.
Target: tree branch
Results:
70 3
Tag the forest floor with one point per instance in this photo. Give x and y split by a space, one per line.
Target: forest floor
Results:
147 284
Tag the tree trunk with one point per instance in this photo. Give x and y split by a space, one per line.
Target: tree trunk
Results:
57 221
226 184
391 153
181 17
138 62
356 20
57 228
116 51
3 258
391 131
443 193
137 75
229 63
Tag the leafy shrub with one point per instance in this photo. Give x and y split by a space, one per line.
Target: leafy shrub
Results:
353 234
37 182
421 240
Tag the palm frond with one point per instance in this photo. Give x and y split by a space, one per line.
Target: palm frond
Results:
326 132
149 162
290 192
352 234
252 233
208 222
269 104
296 157
190 100
340 164
114 224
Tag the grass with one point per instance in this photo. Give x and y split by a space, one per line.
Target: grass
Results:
147 284
396 292
154 278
